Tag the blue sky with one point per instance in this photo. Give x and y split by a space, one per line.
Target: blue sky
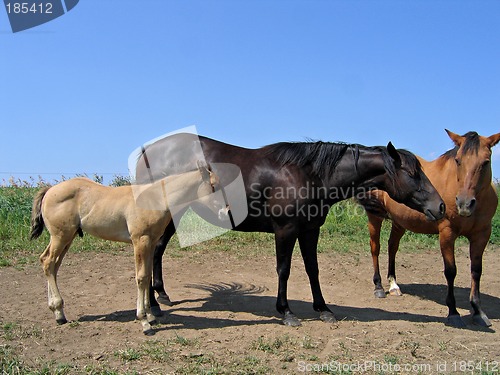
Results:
80 93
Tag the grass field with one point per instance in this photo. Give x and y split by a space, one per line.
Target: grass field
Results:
345 230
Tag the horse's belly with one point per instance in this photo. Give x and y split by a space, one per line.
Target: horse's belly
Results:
108 231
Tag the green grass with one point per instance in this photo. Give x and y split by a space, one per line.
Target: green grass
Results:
345 230
128 354
12 364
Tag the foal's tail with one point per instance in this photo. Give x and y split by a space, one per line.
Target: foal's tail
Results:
37 223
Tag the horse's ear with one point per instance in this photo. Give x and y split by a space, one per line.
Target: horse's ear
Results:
203 168
202 164
493 139
393 153
457 139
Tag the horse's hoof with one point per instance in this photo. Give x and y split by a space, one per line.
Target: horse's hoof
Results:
61 321
395 292
379 293
152 322
164 299
455 321
156 311
149 332
291 320
327 317
481 320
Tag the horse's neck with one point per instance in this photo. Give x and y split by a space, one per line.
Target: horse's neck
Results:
167 192
442 173
369 165
182 188
352 173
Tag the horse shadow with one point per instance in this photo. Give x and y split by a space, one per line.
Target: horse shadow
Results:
229 299
223 297
437 294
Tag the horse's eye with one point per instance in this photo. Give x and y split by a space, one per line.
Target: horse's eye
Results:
457 160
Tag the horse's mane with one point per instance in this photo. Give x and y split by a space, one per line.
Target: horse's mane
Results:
324 157
471 144
410 161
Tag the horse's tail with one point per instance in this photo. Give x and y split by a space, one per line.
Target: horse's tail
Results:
37 223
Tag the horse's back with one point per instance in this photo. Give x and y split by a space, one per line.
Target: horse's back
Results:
76 197
180 153
73 190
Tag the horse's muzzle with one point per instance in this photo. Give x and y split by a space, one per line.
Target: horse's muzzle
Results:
434 215
465 207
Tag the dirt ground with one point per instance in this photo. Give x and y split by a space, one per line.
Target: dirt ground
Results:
224 321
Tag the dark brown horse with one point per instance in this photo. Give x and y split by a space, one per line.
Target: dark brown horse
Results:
289 189
463 178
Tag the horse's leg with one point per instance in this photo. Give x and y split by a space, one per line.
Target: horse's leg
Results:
155 307
447 242
157 284
308 242
285 239
51 260
143 253
374 227
157 280
397 232
477 245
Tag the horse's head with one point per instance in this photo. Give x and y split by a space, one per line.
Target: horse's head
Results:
210 185
473 162
411 186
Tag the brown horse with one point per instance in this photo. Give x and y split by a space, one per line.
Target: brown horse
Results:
133 214
462 176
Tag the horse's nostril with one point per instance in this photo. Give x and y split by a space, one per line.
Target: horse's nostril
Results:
472 203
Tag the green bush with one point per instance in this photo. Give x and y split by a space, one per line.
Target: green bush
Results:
15 213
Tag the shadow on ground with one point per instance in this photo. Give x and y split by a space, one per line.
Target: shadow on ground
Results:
239 298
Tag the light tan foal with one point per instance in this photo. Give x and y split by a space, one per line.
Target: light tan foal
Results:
133 214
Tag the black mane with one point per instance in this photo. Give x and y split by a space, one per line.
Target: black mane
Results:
410 162
471 145
324 157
